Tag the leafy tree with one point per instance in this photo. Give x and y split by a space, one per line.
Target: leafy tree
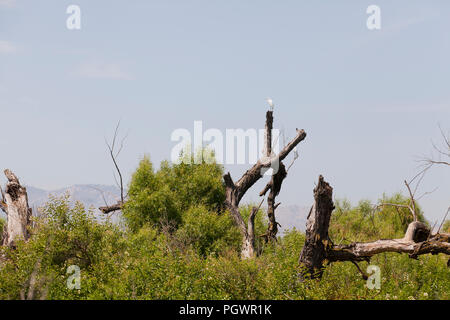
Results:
64 235
208 232
172 190
368 222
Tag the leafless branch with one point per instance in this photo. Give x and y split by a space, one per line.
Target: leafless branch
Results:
443 220
293 160
426 193
114 152
442 151
363 274
413 203
102 194
398 206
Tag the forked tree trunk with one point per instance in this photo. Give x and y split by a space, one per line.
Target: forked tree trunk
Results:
248 250
18 214
235 191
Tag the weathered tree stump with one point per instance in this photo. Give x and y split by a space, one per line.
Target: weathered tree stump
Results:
18 214
317 241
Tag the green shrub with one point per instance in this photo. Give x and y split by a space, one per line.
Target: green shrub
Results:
172 190
208 232
180 246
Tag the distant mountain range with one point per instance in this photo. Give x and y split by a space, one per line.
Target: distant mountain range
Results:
292 216
92 195
89 194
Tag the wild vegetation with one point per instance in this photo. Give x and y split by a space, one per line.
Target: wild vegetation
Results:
177 241
185 235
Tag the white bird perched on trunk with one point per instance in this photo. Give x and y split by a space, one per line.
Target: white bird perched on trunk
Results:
270 102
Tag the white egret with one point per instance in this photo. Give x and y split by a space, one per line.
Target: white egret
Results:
270 102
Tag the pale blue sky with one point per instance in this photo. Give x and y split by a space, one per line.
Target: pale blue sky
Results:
370 101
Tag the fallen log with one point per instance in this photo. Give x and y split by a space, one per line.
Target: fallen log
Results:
115 207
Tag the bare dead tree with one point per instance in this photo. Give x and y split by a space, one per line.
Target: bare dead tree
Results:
428 162
14 203
235 191
114 152
318 248
274 185
412 186
443 220
443 151
411 206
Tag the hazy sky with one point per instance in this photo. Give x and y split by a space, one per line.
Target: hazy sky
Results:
370 101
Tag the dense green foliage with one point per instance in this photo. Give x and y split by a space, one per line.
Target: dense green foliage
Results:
177 243
172 190
364 222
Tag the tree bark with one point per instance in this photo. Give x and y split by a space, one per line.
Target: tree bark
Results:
252 175
274 186
314 251
363 251
248 246
18 214
268 133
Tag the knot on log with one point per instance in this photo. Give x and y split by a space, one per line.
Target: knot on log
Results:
14 190
13 187
417 232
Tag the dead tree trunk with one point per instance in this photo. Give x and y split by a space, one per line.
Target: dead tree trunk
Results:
318 247
235 191
114 153
314 252
232 204
274 186
248 245
15 205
